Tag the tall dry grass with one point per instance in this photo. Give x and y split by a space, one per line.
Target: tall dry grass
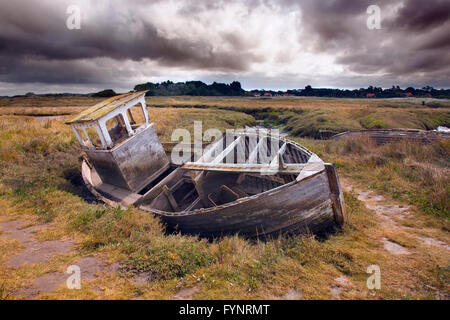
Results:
40 178
416 172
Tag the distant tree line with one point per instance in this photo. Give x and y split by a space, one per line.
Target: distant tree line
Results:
199 88
191 88
104 93
369 92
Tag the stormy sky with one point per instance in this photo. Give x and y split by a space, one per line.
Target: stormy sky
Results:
261 43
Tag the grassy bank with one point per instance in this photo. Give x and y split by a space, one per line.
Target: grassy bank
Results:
40 182
307 117
301 117
415 173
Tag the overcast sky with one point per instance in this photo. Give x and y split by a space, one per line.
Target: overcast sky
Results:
263 44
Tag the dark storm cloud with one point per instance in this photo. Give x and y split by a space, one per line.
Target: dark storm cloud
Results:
111 35
31 36
119 39
414 39
418 15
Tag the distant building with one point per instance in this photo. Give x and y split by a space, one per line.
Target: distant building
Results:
371 95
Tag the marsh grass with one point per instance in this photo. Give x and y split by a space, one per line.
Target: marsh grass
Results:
306 117
416 173
40 182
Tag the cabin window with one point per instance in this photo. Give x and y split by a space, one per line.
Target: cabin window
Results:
93 136
117 129
84 139
136 116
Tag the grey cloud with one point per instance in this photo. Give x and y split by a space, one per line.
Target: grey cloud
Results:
414 40
418 15
35 45
40 33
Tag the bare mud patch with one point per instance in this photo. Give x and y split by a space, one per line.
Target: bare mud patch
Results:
393 247
91 268
40 252
343 281
15 229
435 242
185 294
43 285
336 291
292 294
35 251
369 196
143 278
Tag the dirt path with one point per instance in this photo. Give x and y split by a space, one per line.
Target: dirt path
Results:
391 217
35 253
403 222
396 221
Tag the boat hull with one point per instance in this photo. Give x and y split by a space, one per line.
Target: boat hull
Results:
382 136
312 205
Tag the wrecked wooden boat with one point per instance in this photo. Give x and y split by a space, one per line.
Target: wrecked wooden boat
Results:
382 136
249 182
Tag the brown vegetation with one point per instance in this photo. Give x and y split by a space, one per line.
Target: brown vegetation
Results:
40 183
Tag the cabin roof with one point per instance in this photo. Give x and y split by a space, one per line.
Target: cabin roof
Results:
100 109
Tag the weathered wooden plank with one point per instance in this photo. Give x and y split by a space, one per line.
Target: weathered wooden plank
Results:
337 196
171 199
208 155
253 157
197 180
294 207
224 153
277 159
246 167
314 165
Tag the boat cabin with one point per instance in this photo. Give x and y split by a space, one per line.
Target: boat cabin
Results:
120 142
